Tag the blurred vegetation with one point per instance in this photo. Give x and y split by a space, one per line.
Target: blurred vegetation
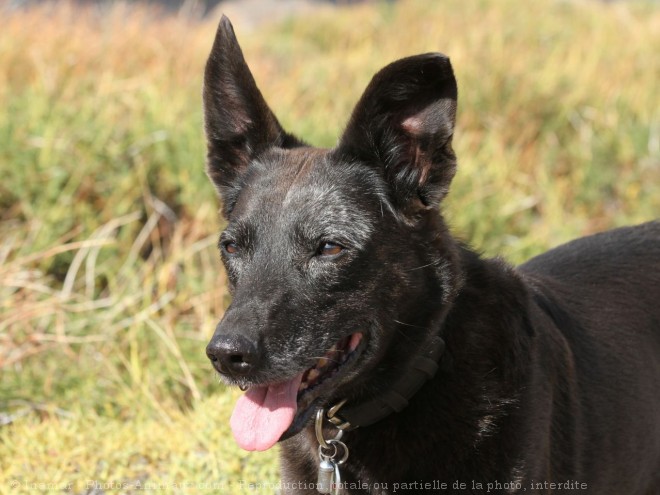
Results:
110 284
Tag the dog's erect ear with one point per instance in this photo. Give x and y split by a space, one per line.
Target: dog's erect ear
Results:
404 124
238 123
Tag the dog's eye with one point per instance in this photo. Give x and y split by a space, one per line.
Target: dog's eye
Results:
230 247
329 249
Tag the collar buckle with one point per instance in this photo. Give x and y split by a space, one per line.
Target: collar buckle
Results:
336 420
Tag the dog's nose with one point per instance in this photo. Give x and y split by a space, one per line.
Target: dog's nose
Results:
232 355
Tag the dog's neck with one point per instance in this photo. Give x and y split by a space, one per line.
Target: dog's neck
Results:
422 368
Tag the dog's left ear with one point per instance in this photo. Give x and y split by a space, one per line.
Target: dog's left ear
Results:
238 122
404 124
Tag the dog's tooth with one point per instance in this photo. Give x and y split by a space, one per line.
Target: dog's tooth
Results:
356 338
303 386
322 362
313 374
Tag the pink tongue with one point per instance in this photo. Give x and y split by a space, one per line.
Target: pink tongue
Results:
262 414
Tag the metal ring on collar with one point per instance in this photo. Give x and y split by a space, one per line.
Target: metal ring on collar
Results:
325 456
336 443
318 428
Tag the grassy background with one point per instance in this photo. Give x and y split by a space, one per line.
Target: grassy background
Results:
110 284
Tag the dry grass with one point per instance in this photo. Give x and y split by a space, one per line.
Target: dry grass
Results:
109 280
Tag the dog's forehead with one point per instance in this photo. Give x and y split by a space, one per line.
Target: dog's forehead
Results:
307 186
297 178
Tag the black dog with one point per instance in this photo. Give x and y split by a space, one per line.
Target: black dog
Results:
451 373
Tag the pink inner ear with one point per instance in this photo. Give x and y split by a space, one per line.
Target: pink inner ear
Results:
413 125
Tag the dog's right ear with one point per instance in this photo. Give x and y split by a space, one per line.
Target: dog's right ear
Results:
403 126
238 123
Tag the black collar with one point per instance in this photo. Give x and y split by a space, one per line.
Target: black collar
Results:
421 369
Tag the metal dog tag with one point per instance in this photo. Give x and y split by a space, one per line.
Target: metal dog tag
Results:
329 477
325 477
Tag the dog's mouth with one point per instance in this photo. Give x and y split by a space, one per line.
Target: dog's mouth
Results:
268 413
329 365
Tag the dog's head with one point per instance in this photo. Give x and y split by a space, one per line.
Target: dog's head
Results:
338 259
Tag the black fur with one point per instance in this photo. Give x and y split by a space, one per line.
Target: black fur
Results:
552 369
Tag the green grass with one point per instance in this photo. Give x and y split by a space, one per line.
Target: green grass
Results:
110 284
